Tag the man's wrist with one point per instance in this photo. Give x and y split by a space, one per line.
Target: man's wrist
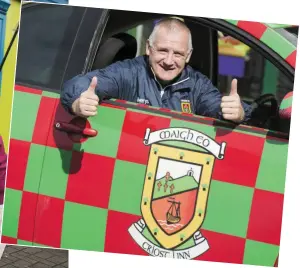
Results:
242 117
75 106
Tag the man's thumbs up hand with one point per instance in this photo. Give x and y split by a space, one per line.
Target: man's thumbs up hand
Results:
93 85
86 105
231 105
233 90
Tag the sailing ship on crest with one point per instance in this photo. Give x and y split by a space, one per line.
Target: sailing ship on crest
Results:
173 214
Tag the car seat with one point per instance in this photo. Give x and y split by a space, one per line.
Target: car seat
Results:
119 47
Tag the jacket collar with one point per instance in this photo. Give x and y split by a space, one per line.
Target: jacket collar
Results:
182 82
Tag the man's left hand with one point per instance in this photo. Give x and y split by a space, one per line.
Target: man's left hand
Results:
231 105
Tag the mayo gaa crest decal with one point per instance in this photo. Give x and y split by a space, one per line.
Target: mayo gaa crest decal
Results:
175 193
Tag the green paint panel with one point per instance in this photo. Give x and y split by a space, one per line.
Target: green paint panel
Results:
234 22
205 129
270 79
286 103
127 176
272 170
257 253
228 209
55 172
50 94
84 227
109 124
25 109
278 43
11 212
24 243
276 25
34 168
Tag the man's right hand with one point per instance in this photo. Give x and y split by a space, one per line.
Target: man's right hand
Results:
86 105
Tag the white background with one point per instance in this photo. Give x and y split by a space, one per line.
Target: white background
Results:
255 10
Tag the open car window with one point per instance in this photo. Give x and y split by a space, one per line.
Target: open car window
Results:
220 57
140 25
259 81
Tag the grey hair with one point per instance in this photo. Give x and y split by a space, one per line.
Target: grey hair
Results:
171 24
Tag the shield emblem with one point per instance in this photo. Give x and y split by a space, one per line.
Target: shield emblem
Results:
175 193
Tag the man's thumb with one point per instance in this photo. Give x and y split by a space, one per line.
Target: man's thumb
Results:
93 85
233 89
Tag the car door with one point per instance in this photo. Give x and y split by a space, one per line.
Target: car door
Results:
95 192
267 151
246 196
77 171
43 62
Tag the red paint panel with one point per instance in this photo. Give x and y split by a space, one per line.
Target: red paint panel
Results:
291 59
165 110
266 217
223 248
43 121
112 106
8 240
118 239
141 105
48 224
90 179
257 29
242 158
27 216
131 146
28 90
121 101
17 163
56 138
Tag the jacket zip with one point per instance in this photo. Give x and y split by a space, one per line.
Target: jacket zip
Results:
177 83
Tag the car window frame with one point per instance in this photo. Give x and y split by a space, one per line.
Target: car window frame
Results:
251 41
102 32
224 27
98 34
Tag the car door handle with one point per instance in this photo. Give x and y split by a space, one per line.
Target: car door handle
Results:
73 129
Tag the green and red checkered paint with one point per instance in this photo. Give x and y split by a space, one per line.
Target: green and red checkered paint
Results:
267 35
86 195
285 109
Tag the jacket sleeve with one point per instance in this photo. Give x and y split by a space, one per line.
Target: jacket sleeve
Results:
110 82
208 101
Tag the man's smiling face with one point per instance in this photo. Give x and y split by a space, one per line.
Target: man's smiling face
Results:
169 52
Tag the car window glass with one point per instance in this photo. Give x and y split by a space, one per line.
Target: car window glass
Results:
257 77
42 58
141 32
256 74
